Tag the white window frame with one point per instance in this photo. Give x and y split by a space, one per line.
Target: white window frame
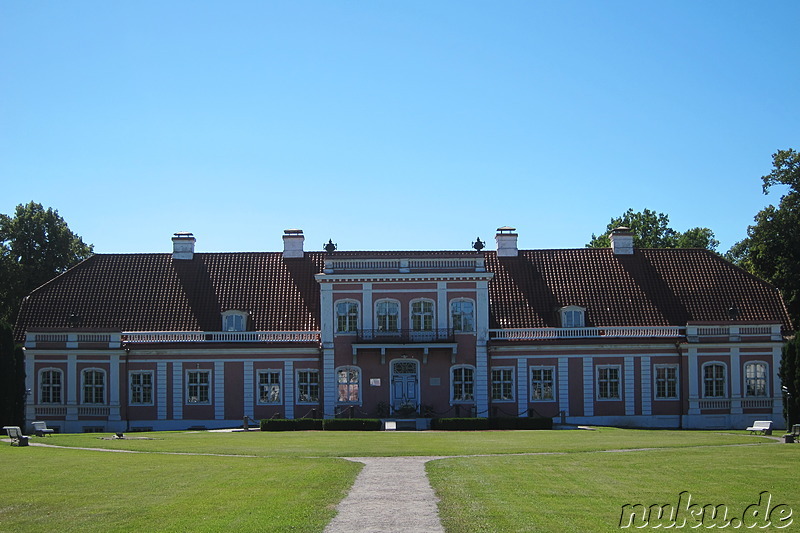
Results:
132 388
230 316
52 371
102 387
599 382
715 379
426 315
570 313
311 386
378 326
511 382
351 323
764 379
200 385
349 385
552 381
460 328
667 380
270 372
463 384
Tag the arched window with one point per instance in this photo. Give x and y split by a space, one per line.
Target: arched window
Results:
462 316
387 315
93 385
714 380
462 383
234 320
348 384
573 316
422 315
346 316
755 379
51 382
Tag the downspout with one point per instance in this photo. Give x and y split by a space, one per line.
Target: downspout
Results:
127 392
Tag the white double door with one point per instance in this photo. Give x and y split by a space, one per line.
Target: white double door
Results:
405 384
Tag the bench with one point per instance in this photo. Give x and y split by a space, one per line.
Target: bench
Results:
761 426
40 429
17 438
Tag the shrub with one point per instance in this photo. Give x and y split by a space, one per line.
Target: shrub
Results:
352 424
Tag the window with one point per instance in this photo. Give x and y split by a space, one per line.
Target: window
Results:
234 321
572 317
269 386
714 380
308 386
346 317
422 315
50 385
348 379
94 389
463 384
462 313
542 383
755 379
388 315
502 384
198 386
141 388
608 383
666 382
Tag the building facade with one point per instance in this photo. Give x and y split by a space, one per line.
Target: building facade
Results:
621 336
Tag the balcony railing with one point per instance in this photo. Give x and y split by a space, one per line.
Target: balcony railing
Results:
533 334
715 403
150 337
404 336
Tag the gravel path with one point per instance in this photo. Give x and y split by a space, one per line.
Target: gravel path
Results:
391 494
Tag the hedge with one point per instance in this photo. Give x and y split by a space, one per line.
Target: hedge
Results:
318 424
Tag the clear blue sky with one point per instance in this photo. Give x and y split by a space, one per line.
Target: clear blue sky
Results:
392 125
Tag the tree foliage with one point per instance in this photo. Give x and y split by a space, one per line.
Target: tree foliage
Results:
652 230
772 247
790 378
35 245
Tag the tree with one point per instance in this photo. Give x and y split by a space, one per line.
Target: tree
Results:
35 245
790 378
12 379
771 249
651 230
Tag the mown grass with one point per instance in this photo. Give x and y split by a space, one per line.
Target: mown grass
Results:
376 444
48 489
292 481
586 491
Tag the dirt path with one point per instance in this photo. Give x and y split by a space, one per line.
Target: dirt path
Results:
391 494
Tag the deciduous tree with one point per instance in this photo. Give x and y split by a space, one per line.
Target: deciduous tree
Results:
651 230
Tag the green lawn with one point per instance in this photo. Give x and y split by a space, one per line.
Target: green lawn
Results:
293 480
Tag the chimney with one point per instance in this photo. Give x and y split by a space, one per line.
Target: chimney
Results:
293 243
506 242
621 241
183 245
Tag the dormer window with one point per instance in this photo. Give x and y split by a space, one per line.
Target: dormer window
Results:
234 321
573 316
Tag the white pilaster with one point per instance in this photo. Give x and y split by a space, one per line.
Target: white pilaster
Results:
693 370
367 312
327 315
647 386
481 380
177 391
442 309
288 385
161 390
248 379
523 393
563 385
73 385
630 386
329 382
777 394
113 388
736 381
588 387
219 390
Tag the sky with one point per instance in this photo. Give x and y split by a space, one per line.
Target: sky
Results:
413 125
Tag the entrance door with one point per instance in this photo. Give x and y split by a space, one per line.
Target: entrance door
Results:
405 385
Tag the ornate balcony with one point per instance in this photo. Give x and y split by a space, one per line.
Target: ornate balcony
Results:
404 336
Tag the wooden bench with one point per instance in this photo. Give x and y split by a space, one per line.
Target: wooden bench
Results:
761 426
40 429
17 438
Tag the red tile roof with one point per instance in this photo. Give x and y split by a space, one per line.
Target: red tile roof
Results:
153 292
